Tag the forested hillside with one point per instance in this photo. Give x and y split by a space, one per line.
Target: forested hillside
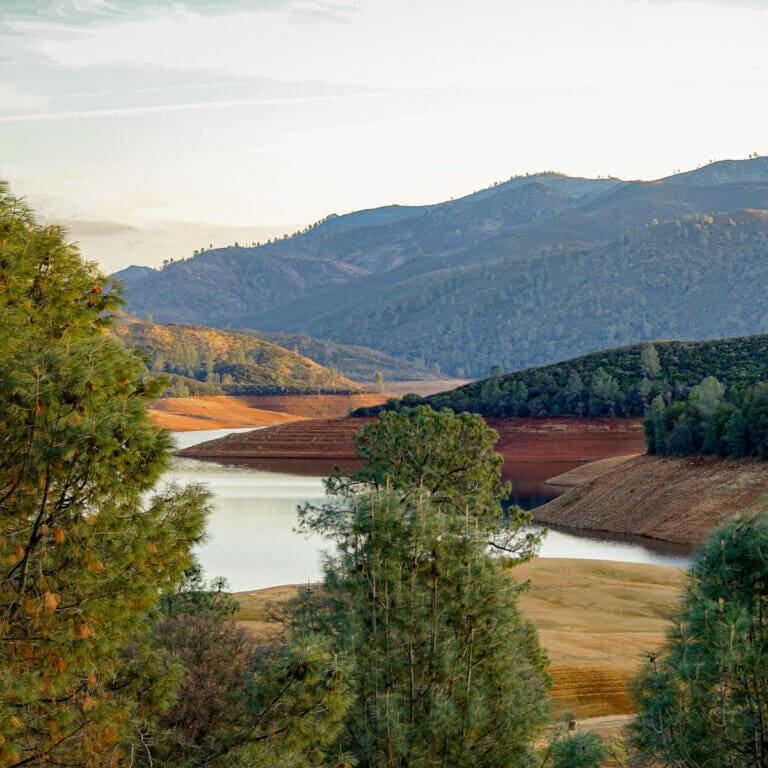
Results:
202 360
358 363
702 277
615 382
519 274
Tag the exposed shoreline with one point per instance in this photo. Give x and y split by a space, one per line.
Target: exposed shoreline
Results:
520 440
677 500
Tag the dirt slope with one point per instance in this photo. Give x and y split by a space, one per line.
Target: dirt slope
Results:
597 620
520 440
677 500
184 414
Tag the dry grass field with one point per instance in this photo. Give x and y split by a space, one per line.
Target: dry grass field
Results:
597 620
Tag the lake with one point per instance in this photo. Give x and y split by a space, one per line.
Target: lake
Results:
251 537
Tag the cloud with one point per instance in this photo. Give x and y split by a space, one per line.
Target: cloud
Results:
78 12
89 114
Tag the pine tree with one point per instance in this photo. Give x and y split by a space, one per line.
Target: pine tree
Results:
703 701
447 671
83 553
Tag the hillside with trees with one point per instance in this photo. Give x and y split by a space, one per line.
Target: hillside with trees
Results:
206 361
463 285
355 362
615 382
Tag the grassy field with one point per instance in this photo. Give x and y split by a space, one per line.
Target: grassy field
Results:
597 619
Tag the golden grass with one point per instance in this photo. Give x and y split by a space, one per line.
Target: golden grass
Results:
597 620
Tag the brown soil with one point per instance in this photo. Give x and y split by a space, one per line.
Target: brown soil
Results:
677 500
520 440
587 472
185 414
574 440
598 621
312 406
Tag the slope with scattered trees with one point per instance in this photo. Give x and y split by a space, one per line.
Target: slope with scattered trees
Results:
203 360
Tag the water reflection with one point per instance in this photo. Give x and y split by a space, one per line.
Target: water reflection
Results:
251 537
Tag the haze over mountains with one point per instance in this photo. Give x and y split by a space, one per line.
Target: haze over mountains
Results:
533 270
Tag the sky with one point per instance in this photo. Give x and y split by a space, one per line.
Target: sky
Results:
151 127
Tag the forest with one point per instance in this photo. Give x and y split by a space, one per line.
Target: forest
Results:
615 382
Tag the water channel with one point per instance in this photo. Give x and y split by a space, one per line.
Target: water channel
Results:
251 537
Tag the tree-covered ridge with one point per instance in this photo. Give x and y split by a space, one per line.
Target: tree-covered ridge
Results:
615 382
202 360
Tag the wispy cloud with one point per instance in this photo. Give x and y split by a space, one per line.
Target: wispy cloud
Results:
90 114
78 12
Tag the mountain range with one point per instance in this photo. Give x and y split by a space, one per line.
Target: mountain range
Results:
532 270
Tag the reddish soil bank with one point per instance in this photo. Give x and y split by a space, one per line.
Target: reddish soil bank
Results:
677 500
520 440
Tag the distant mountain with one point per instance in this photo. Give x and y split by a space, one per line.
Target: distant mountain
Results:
203 360
523 273
218 285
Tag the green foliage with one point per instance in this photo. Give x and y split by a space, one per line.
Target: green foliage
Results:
239 703
84 551
452 459
544 294
611 382
194 596
206 361
707 423
581 750
447 670
703 701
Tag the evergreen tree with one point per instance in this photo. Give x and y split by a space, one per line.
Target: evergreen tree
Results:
449 456
84 554
649 362
703 701
447 671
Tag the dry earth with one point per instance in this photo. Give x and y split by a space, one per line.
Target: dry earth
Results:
183 414
597 620
587 472
677 500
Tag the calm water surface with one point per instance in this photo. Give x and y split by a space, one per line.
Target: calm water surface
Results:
251 538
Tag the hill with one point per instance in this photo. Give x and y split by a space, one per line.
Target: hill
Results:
203 360
613 382
358 363
465 284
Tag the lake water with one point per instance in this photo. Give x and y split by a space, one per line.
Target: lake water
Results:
251 538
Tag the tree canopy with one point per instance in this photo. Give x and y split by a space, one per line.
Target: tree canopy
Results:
703 700
84 553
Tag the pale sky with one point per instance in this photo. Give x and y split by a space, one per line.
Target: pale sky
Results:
137 116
